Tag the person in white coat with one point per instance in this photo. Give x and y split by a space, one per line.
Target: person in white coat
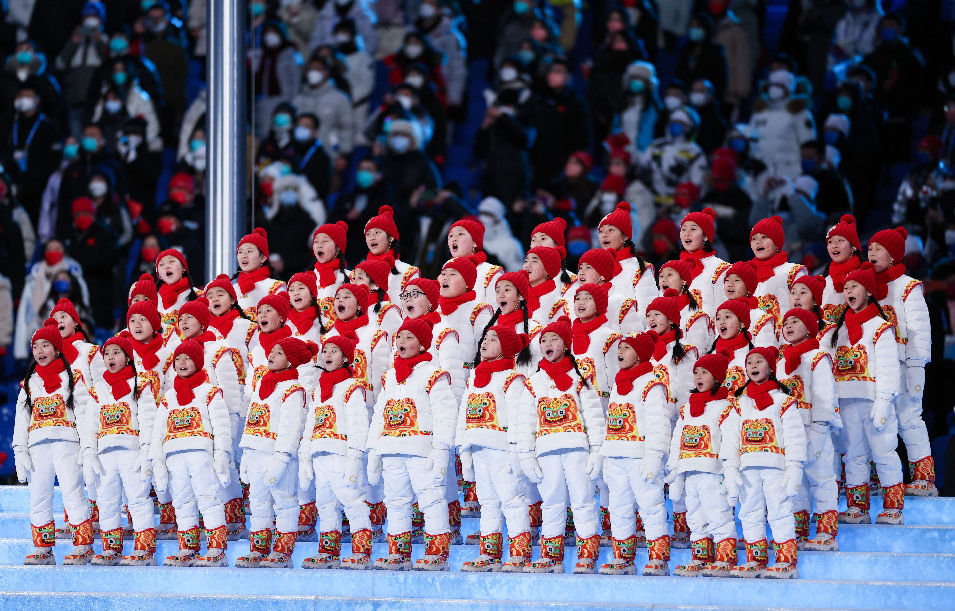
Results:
781 124
499 240
255 277
774 273
466 239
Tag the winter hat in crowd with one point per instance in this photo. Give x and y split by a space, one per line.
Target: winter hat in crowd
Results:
193 350
298 352
258 238
668 306
555 230
770 353
345 343
511 341
475 229
642 344
563 328
704 219
308 279
808 186
430 288
808 318
278 302
746 272
222 282
838 122
465 267
583 158
384 220
603 261
420 328
739 308
359 291
83 205
598 292
715 363
772 228
846 228
146 287
686 116
783 77
199 308
683 268
614 183
815 284
123 342
520 281
66 306
172 252
50 331
147 309
723 172
338 232
620 218
378 272
549 257
864 275
893 240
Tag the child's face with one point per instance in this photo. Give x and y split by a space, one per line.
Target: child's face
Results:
508 298
542 239
140 328
170 270
727 324
300 296
332 357
137 298
452 283
553 347
460 243
219 301
185 366
346 305
43 352
879 257
857 297
757 368
839 249
610 237
408 345
763 247
586 274
115 358
189 325
794 330
691 236
670 279
491 347
360 277
535 269
626 356
734 287
415 302
801 297
277 359
250 258
657 321
324 249
269 319
703 380
66 324
378 241
584 306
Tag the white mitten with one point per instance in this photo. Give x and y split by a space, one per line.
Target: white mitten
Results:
880 412
222 464
23 464
92 468
352 470
531 468
915 380
467 465
731 482
276 467
793 478
374 468
438 461
595 463
305 472
160 476
651 465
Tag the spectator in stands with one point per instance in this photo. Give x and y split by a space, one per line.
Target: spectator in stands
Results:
732 206
357 206
141 165
93 156
290 227
177 235
77 62
442 31
739 60
856 33
123 99
277 144
164 44
92 244
500 244
701 57
641 112
319 96
834 195
28 63
310 158
276 74
405 169
504 141
299 16
561 121
360 72
30 156
782 122
712 130
110 207
675 158
606 95
333 11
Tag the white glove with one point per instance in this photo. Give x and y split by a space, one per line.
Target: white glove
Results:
793 478
374 468
438 464
145 465
244 470
276 467
24 465
677 486
305 472
531 468
222 464
467 465
514 460
731 482
880 413
915 380
160 476
651 465
352 471
595 463
92 468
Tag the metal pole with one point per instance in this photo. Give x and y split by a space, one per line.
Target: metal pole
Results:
226 134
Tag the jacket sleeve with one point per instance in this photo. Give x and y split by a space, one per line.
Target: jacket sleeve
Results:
766 335
918 332
21 422
825 399
610 365
451 360
293 421
794 432
729 437
527 420
887 369
219 421
658 431
698 334
461 419
146 414
356 417
227 378
443 410
593 415
377 421
159 430
673 452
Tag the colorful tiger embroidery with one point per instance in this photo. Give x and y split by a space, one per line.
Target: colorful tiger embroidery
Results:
481 412
759 435
558 415
696 442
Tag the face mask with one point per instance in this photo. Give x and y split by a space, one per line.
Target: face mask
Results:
342 38
22 74
830 136
415 80
52 257
156 26
521 8
70 150
90 144
199 160
675 130
364 178
413 50
149 253
637 86
696 34
282 121
119 78
165 226
844 103
61 286
83 222
671 102
271 40
661 246
776 92
737 144
314 77
698 98
808 166
405 101
302 133
427 11
400 144
24 57
113 106
288 198
118 46
195 145
256 9
888 34
147 4
98 188
24 104
91 23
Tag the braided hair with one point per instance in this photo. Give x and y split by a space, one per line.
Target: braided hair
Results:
524 356
842 320
69 381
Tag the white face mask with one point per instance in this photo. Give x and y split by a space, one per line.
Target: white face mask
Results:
271 40
508 74
671 102
25 104
199 159
427 11
302 133
98 188
413 50
405 101
698 98
776 92
415 80
22 74
315 77
342 38
91 23
113 106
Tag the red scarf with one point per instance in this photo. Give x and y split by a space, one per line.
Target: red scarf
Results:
326 272
247 280
404 367
558 372
511 320
184 387
69 350
50 374
329 379
272 379
760 393
794 352
432 317
663 341
478 258
534 299
855 320
223 324
169 293
582 330
765 268
683 298
268 340
385 257
698 400
482 373
448 305
623 253
147 351
625 377
752 301
839 271
695 259
205 336
346 327
119 381
728 347
882 279
303 320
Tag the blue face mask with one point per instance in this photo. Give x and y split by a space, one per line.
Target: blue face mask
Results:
195 145
808 166
288 198
364 178
61 286
24 57
676 130
118 46
400 144
888 34
90 144
738 144
282 120
526 56
521 7
70 151
830 136
637 86
147 4
119 78
256 9
696 34
844 103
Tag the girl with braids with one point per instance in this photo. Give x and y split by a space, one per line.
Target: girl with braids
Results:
695 321
739 282
254 280
227 318
705 276
733 340
764 467
552 235
384 313
466 239
304 316
806 293
868 378
47 435
461 304
381 237
175 287
774 274
807 371
594 341
512 290
542 265
663 318
845 252
561 428
328 247
615 232
598 266
121 419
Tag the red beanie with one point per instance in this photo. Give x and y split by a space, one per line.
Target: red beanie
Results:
723 169
550 258
385 220
345 343
338 232
519 280
308 279
893 240
465 267
739 308
864 275
193 350
378 272
511 341
474 228
583 158
298 352
222 282
199 308
808 318
359 291
145 286
123 342
183 180
846 227
430 288
815 284
147 309
715 363
257 238
172 252
603 260
614 183
561 327
772 228
420 328
642 344
50 331
619 218
770 353
683 268
746 272
668 306
599 294
704 219
278 302
66 306
555 230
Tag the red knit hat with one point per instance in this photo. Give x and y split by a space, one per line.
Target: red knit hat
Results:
519 280
258 238
846 227
147 309
808 318
50 331
511 341
603 260
385 220
430 288
614 183
465 267
704 219
145 286
893 240
619 218
668 306
345 343
642 344
723 169
562 328
359 291
683 268
183 180
378 272
193 350
172 252
746 272
583 158
278 302
772 228
222 282
715 363
338 232
66 306
739 308
308 279
420 328
474 228
599 294
123 342
555 230
770 353
199 308
864 275
549 257
815 284
298 352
